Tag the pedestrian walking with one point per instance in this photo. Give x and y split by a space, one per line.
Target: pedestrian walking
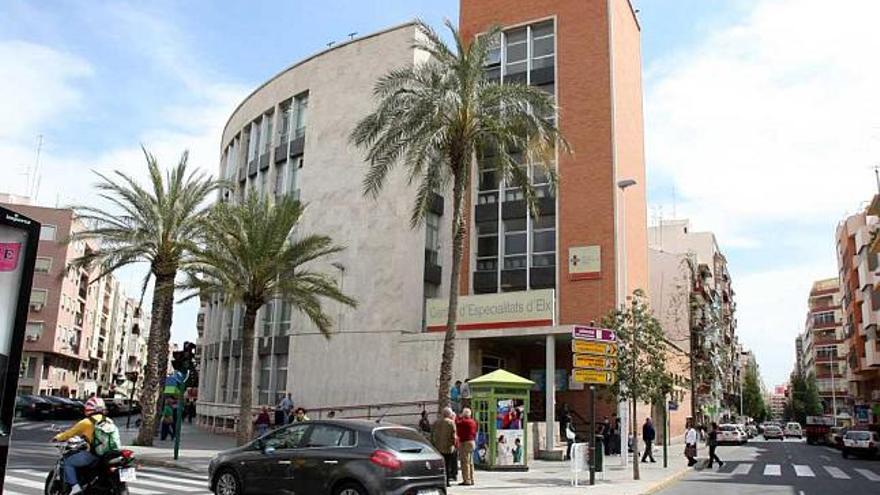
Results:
712 440
648 435
425 423
690 443
167 422
455 396
280 417
605 431
263 422
286 405
443 438
466 431
570 436
562 415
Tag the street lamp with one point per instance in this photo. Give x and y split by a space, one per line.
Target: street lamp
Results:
622 411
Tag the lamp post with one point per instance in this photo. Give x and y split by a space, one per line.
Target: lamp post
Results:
623 184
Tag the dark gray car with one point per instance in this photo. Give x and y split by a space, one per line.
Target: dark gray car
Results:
333 457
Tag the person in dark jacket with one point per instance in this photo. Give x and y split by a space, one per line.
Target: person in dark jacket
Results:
648 434
712 441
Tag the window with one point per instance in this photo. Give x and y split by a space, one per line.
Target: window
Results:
284 319
487 246
284 126
43 265
263 384
301 107
515 244
269 317
30 367
266 132
432 239
279 181
264 183
39 297
33 331
331 436
544 241
512 192
253 141
493 59
823 319
543 50
516 48
280 377
291 437
47 233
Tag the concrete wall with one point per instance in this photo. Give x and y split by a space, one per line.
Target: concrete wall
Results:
670 295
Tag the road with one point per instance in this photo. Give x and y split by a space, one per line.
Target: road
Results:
773 467
31 456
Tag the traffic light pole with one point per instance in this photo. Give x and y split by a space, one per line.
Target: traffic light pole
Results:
178 420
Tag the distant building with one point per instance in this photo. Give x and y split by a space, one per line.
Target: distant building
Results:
858 265
777 401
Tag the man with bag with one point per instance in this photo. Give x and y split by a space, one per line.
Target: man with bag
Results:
99 432
690 443
443 437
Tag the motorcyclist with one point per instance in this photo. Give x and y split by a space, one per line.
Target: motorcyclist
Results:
85 428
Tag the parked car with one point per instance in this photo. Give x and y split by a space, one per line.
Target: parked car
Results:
793 430
117 406
861 443
32 407
61 408
731 435
773 431
334 457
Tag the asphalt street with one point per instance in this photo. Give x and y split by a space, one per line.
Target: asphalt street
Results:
32 454
774 467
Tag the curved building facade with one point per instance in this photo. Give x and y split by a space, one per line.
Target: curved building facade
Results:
290 137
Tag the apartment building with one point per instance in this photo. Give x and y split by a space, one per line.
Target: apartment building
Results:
69 347
824 350
692 295
858 265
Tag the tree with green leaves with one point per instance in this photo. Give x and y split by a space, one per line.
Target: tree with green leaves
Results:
155 224
434 118
641 360
251 254
803 398
753 399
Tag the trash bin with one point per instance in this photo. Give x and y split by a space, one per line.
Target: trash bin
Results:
599 452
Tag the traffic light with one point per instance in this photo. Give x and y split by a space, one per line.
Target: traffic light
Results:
184 361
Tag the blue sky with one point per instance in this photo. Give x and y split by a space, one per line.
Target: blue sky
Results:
762 124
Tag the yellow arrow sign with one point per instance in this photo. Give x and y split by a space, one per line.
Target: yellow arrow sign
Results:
588 347
591 361
594 376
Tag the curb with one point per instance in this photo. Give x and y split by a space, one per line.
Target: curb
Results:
168 463
666 482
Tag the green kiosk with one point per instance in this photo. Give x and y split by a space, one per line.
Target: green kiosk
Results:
500 404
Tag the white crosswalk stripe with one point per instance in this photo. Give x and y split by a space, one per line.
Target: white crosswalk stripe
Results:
150 481
836 472
868 474
772 470
177 479
803 471
15 480
742 469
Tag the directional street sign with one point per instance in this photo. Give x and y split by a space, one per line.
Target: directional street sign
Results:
594 376
593 333
595 362
599 348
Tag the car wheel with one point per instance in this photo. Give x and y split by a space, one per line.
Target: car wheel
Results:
227 483
350 488
844 454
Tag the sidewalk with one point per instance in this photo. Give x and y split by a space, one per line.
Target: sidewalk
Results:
545 477
197 447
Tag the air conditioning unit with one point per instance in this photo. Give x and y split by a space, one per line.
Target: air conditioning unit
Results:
36 306
31 338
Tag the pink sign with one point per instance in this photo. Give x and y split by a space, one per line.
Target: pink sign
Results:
593 333
9 255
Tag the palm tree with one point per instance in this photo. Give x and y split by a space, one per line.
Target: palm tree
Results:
156 224
436 118
250 256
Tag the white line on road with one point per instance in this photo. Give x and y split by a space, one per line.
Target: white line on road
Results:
177 479
868 474
15 480
836 472
772 470
742 469
804 471
156 484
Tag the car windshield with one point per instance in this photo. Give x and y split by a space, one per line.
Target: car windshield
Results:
727 428
401 439
859 435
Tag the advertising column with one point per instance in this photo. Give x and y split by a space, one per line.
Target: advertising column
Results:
19 237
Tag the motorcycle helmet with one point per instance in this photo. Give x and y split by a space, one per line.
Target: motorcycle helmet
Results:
95 405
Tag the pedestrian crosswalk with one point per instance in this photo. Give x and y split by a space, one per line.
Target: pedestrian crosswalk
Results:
736 469
150 481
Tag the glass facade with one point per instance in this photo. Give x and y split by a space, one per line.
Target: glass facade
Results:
514 250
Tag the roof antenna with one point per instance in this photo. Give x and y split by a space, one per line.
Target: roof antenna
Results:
330 44
877 176
352 34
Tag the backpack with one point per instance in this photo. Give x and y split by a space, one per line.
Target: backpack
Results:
106 436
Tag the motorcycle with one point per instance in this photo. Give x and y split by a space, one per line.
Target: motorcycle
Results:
107 477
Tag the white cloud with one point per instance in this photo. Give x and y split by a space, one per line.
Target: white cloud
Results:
769 125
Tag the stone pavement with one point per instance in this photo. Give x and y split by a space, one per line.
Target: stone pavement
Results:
546 477
197 447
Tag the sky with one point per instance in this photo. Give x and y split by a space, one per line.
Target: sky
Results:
761 116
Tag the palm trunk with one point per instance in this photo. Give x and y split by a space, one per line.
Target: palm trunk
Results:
157 355
458 232
245 413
